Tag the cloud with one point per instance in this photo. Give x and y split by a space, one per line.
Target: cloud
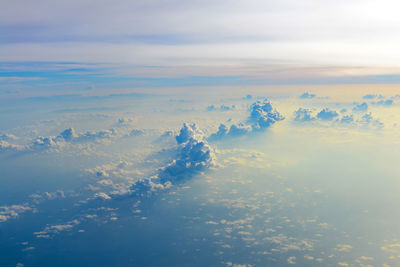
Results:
97 135
386 103
51 230
347 119
7 147
356 120
126 121
193 155
232 131
303 115
307 95
7 137
369 96
136 132
262 116
327 115
373 96
13 211
363 107
368 120
67 136
221 108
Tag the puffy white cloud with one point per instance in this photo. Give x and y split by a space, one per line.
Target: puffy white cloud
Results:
368 120
307 95
369 96
188 132
347 119
68 134
263 115
193 155
361 107
386 103
327 114
232 131
303 115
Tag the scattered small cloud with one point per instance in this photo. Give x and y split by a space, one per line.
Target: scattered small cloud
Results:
307 95
327 114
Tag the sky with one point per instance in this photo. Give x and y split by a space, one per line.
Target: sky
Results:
134 44
199 133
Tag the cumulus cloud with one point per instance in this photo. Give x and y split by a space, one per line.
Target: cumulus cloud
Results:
327 114
373 96
361 107
195 154
232 131
307 95
303 115
369 96
262 116
68 135
386 103
192 156
368 120
347 119
126 121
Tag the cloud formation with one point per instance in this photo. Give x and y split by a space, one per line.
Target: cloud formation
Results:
303 115
361 107
262 116
193 155
13 211
372 96
307 95
386 103
221 107
327 114
67 136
